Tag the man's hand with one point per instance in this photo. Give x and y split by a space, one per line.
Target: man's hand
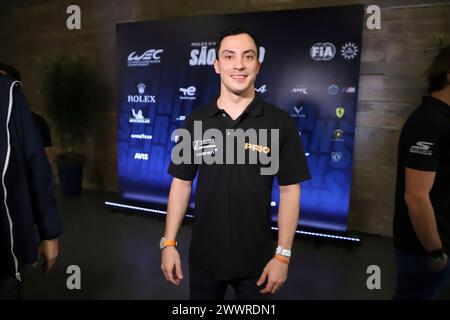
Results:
48 249
276 274
438 265
171 265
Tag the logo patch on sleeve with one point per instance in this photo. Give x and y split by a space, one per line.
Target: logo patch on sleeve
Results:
423 148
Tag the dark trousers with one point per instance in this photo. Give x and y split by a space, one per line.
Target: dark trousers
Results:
9 288
415 280
202 286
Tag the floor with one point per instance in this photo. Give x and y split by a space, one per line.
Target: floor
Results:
119 258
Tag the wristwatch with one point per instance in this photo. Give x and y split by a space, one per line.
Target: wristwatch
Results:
166 243
437 255
283 252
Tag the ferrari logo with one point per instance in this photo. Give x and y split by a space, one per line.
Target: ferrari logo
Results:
340 112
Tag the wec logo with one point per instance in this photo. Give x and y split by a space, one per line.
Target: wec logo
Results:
145 59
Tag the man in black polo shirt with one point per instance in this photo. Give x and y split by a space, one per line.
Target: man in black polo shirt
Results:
232 241
422 213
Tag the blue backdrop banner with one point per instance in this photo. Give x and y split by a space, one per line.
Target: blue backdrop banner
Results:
310 68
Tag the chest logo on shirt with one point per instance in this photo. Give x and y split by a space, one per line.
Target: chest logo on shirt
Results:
423 148
257 148
207 147
216 147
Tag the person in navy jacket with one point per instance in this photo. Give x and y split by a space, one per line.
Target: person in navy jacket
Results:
27 203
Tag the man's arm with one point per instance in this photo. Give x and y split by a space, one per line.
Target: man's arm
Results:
179 195
421 212
276 271
40 182
420 209
288 213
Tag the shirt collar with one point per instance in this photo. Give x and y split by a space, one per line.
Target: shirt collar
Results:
432 101
254 109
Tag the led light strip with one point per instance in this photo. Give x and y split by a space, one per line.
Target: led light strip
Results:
119 205
323 235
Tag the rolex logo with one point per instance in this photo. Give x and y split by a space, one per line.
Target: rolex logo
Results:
141 88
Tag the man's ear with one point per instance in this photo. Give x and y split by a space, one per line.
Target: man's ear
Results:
216 66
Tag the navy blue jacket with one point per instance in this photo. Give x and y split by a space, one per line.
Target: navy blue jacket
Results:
27 183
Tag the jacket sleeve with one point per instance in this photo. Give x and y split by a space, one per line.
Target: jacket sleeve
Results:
41 184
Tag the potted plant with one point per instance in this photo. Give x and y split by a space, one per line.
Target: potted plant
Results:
70 92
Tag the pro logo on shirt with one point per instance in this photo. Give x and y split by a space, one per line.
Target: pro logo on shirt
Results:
256 147
423 148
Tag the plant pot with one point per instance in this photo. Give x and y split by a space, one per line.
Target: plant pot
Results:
70 178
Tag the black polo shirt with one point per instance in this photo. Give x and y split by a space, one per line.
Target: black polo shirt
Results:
231 235
424 145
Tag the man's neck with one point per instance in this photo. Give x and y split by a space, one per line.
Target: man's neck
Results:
443 95
235 104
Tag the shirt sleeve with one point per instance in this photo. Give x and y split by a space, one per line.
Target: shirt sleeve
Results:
184 171
293 167
421 146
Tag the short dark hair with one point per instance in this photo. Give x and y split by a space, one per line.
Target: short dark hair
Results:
436 73
10 71
232 31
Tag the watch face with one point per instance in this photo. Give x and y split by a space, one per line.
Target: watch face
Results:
161 243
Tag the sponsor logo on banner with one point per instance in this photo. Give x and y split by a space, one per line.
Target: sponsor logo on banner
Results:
141 136
336 156
148 57
340 112
300 90
141 97
348 90
338 135
137 117
349 51
322 51
423 148
333 89
261 89
188 93
204 53
181 118
141 156
298 112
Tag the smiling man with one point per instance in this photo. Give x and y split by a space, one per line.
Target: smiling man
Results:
232 242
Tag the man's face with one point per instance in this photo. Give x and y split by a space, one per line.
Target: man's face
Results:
237 63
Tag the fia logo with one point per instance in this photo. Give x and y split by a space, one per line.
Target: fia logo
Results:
322 51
